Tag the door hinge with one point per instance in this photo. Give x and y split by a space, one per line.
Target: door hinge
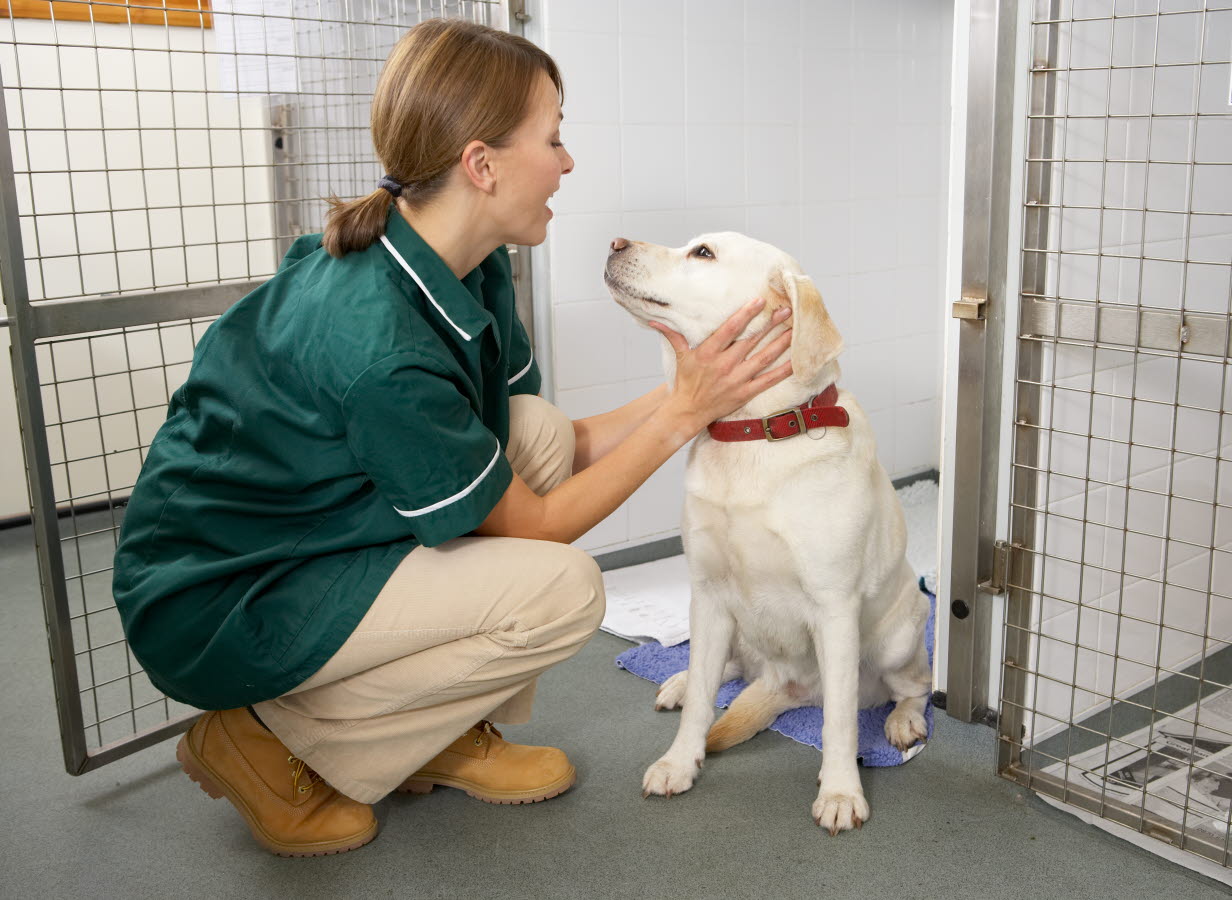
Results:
969 307
518 9
1002 553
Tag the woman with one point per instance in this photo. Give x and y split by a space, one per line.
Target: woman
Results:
351 538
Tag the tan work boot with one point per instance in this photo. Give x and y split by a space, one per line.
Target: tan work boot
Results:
290 810
491 769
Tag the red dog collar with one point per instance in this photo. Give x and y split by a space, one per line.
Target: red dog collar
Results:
816 413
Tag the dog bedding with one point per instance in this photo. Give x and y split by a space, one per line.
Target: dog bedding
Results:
657 663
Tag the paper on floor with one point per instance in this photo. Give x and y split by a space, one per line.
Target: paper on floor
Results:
649 602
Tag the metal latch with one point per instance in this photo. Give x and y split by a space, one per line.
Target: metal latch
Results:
1001 551
969 307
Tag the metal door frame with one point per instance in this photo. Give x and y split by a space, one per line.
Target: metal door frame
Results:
981 310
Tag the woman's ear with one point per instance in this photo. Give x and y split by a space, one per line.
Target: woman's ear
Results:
476 164
815 341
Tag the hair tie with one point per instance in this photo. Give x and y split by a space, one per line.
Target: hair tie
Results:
391 185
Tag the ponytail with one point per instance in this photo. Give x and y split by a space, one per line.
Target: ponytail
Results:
355 224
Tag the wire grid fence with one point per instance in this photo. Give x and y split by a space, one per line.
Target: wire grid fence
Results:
104 396
1119 628
161 158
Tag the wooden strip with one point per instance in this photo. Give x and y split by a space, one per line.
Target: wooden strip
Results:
185 13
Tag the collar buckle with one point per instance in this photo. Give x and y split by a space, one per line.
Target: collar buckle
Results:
799 423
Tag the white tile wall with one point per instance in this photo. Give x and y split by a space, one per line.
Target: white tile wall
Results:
817 126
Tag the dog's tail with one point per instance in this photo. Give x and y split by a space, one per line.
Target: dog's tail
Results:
753 710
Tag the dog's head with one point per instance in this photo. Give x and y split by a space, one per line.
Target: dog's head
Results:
695 288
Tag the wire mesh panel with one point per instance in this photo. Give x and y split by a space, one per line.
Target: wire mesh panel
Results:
162 158
103 398
1117 689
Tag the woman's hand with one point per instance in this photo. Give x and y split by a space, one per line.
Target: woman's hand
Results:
719 376
712 380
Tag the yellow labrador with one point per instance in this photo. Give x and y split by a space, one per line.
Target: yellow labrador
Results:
795 547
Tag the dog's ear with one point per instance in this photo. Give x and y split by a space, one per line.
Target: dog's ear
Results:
815 339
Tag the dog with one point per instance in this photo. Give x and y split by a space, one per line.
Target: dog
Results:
796 548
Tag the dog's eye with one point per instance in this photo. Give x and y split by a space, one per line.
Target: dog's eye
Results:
703 251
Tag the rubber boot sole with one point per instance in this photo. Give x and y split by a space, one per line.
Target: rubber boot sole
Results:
199 771
423 784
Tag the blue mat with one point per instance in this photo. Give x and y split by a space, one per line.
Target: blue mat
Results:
657 663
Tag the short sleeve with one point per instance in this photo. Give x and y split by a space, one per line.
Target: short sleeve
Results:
523 371
415 434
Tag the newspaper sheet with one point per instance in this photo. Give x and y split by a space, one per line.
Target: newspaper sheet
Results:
1178 764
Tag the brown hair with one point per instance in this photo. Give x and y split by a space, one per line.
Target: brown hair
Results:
446 83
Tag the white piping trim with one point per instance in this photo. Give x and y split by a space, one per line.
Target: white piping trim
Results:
458 496
524 371
422 287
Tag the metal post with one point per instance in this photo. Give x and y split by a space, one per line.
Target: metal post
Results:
523 285
16 293
1024 483
981 310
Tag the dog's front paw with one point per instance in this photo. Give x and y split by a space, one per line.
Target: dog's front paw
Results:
667 777
905 726
672 692
840 810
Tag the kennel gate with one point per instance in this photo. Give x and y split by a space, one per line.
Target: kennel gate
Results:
1113 216
158 158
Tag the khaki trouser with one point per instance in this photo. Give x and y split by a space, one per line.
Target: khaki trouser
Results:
459 633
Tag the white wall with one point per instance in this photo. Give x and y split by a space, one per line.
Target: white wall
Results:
820 127
1176 550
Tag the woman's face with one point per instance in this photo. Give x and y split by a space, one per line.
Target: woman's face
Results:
529 168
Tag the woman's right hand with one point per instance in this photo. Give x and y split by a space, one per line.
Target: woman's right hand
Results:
719 376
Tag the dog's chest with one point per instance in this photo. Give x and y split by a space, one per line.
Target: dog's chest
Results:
747 475
742 534
731 545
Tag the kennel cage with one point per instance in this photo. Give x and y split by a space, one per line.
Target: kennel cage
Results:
1099 184
158 160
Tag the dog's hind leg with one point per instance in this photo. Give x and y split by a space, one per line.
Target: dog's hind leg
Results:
754 710
898 651
671 692
909 687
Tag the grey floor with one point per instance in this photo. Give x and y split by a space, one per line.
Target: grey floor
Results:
943 825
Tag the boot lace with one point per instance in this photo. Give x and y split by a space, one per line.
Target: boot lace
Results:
485 727
300 769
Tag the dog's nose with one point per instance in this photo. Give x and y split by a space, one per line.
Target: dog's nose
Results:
619 244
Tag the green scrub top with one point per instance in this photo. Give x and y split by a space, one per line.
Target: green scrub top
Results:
340 415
